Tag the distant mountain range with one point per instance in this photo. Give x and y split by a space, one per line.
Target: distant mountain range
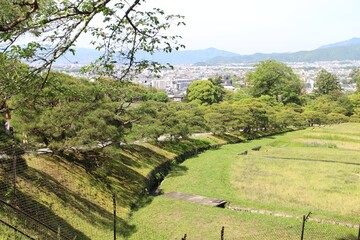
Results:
346 50
85 56
341 51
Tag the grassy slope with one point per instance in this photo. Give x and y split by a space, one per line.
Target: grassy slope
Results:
74 193
331 190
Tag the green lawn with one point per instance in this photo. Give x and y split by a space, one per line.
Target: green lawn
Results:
315 170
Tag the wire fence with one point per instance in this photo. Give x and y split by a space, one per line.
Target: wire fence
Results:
310 231
26 214
22 213
293 231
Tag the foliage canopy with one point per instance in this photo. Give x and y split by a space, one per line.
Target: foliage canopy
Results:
274 79
118 28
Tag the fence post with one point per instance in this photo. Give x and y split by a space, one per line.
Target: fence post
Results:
303 228
222 233
305 218
359 233
114 205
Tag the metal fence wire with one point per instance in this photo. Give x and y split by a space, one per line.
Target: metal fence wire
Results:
21 214
24 215
312 230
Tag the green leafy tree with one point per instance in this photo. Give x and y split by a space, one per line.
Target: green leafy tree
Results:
314 118
219 118
205 91
156 95
326 83
288 117
54 27
71 113
336 118
274 79
354 75
251 115
187 119
11 80
355 100
167 119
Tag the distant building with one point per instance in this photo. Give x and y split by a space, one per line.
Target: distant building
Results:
348 87
230 88
178 97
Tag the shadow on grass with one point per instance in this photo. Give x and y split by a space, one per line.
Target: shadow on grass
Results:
146 155
177 171
231 138
349 237
42 214
71 201
187 147
117 170
114 169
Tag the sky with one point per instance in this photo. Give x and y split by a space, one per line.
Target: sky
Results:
266 26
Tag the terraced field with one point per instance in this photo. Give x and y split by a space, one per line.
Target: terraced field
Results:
317 170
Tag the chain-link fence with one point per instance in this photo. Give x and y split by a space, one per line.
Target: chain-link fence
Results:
23 214
311 230
19 211
27 213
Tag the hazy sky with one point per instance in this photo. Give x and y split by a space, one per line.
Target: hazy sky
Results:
250 26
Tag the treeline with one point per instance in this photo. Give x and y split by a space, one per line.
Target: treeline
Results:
78 113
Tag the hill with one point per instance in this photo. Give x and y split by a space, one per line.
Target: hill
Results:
348 50
73 195
353 41
341 51
86 56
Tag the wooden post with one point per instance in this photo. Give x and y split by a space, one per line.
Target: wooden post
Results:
114 205
359 233
222 233
303 227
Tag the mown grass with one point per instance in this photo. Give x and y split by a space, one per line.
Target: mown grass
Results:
167 218
74 192
281 177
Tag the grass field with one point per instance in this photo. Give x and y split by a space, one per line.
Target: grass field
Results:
315 170
73 194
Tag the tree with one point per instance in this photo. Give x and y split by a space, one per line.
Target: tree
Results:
205 91
72 113
314 117
336 118
173 118
274 79
219 118
251 115
354 75
54 26
326 83
156 95
288 117
11 81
